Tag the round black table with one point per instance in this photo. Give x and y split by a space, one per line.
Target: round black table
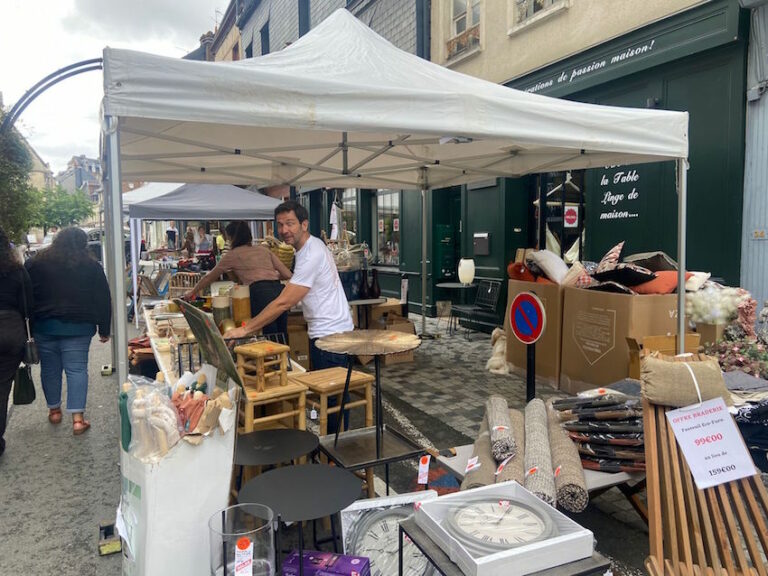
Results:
269 447
299 493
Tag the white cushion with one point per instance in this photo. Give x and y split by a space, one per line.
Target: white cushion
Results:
695 282
551 264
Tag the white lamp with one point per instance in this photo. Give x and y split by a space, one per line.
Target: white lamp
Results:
466 271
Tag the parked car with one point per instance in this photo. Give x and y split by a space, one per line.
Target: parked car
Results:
96 237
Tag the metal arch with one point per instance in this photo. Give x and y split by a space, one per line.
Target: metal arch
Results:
43 85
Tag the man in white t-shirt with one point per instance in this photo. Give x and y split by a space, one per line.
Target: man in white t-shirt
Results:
316 284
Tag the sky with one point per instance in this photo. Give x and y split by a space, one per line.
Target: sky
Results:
41 36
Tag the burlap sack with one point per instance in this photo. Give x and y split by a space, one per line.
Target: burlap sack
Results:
485 473
666 380
515 468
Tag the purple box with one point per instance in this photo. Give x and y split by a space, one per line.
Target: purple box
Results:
326 564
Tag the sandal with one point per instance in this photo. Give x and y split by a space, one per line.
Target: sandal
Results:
54 415
80 426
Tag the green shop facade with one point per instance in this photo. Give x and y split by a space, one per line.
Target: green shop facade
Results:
694 61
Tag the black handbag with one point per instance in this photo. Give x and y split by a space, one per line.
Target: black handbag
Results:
23 387
31 355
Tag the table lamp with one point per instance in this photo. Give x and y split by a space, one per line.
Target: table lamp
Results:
466 270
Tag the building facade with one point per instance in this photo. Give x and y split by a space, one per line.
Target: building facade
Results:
665 54
226 45
82 174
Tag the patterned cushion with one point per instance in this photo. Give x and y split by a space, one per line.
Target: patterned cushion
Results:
578 276
611 257
654 261
613 287
553 266
626 274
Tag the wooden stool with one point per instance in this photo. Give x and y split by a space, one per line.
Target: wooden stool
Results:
259 362
323 384
289 402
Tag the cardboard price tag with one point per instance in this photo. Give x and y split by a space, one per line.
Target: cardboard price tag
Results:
502 465
711 443
424 469
472 464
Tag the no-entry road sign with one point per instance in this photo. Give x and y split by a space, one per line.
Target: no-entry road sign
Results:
527 317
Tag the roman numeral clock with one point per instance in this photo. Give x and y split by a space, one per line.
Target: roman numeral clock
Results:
487 525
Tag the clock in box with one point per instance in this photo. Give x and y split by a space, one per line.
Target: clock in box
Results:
371 528
502 530
326 564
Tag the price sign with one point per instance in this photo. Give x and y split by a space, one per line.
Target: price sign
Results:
711 443
571 217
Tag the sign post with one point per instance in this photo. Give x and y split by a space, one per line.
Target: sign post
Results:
528 320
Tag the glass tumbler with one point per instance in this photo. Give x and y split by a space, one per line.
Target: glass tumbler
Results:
242 541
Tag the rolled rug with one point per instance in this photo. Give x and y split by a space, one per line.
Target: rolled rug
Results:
514 469
502 438
571 487
539 477
482 473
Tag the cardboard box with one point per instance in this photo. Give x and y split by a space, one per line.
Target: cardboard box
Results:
298 341
667 345
710 333
596 326
548 346
326 564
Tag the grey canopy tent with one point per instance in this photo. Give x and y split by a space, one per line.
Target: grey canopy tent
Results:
343 107
193 202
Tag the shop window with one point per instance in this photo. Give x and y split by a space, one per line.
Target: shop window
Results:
465 27
387 222
304 17
249 50
265 38
529 11
349 213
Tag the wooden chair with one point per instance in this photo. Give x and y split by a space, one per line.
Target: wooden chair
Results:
183 282
716 531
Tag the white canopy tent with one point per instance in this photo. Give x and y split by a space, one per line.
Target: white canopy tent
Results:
146 192
343 107
192 202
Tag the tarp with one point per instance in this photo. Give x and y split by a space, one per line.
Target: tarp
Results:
147 192
343 107
206 202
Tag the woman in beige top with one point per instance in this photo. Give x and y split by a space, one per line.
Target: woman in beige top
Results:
255 267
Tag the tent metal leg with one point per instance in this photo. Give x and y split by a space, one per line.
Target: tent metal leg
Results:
423 261
682 199
116 263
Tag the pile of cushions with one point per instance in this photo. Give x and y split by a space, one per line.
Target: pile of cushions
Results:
645 273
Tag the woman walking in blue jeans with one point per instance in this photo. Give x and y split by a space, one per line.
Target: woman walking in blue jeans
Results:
71 302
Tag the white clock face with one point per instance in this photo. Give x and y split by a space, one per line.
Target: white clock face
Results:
380 543
488 525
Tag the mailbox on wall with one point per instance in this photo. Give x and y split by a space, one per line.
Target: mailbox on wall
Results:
481 243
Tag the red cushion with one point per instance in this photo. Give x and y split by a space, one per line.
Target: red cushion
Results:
543 280
519 271
664 283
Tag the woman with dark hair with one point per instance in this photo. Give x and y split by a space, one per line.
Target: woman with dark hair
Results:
72 301
254 266
15 287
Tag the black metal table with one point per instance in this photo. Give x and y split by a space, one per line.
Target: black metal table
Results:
453 286
594 565
364 306
302 493
270 447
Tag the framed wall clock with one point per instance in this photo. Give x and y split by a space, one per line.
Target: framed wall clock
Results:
486 525
370 528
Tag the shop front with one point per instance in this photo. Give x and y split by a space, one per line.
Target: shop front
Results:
694 61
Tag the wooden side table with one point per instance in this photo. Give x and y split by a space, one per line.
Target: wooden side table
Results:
324 384
260 362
